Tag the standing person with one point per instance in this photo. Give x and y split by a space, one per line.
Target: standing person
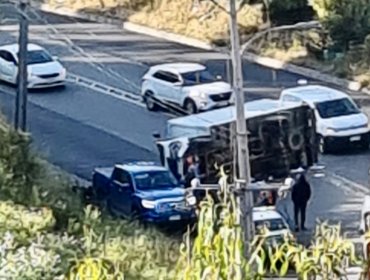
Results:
262 199
301 194
283 203
192 170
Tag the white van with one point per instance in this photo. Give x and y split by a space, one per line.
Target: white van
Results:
339 121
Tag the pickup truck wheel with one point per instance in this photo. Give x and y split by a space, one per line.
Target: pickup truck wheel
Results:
134 215
110 210
190 107
150 103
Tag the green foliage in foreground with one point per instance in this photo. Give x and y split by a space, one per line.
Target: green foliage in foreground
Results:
218 251
105 249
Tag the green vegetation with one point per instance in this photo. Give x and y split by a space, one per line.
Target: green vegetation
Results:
218 251
46 233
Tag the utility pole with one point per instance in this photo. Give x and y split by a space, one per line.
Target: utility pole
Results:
246 203
21 97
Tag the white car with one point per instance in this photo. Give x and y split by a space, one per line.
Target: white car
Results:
186 85
268 217
339 121
43 69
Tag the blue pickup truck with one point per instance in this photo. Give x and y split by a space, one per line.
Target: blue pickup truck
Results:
144 190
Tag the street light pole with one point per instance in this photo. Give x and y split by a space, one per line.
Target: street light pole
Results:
245 202
244 176
21 97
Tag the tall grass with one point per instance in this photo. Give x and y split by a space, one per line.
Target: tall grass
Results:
218 252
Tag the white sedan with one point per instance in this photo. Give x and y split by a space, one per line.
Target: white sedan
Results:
43 69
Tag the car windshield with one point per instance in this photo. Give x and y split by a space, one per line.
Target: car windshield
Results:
271 225
336 108
154 180
38 56
198 77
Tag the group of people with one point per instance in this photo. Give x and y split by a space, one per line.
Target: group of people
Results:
297 185
300 190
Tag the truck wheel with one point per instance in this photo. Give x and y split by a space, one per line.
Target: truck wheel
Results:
190 107
134 214
323 145
110 210
150 102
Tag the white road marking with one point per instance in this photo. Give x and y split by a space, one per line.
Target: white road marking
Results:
346 184
106 89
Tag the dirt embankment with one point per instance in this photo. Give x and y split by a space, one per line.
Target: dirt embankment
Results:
199 19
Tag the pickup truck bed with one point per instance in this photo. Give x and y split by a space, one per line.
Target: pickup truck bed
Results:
105 171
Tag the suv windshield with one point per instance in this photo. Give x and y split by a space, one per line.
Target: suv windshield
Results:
197 77
154 180
271 224
336 108
38 56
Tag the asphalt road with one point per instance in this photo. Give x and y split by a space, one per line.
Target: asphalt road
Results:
79 128
78 147
70 141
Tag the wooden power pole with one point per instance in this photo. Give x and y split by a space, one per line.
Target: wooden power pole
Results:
245 201
20 120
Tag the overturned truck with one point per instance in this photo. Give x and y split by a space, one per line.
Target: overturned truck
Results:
281 137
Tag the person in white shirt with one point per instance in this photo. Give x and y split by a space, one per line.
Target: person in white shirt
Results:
283 203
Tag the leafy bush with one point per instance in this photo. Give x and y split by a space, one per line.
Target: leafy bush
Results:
25 179
204 20
138 253
25 222
197 19
19 169
284 12
110 249
345 20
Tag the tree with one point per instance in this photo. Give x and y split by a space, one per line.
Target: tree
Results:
345 20
288 11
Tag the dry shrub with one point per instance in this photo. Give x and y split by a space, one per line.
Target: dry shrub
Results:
115 6
203 21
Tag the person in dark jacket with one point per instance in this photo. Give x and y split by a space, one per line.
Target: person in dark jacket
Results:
301 194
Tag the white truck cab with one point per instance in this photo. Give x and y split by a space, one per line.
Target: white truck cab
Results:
339 121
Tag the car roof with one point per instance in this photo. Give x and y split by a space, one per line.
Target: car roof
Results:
180 67
141 166
262 213
14 47
315 93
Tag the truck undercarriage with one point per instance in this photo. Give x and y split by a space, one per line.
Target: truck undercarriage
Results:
278 142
